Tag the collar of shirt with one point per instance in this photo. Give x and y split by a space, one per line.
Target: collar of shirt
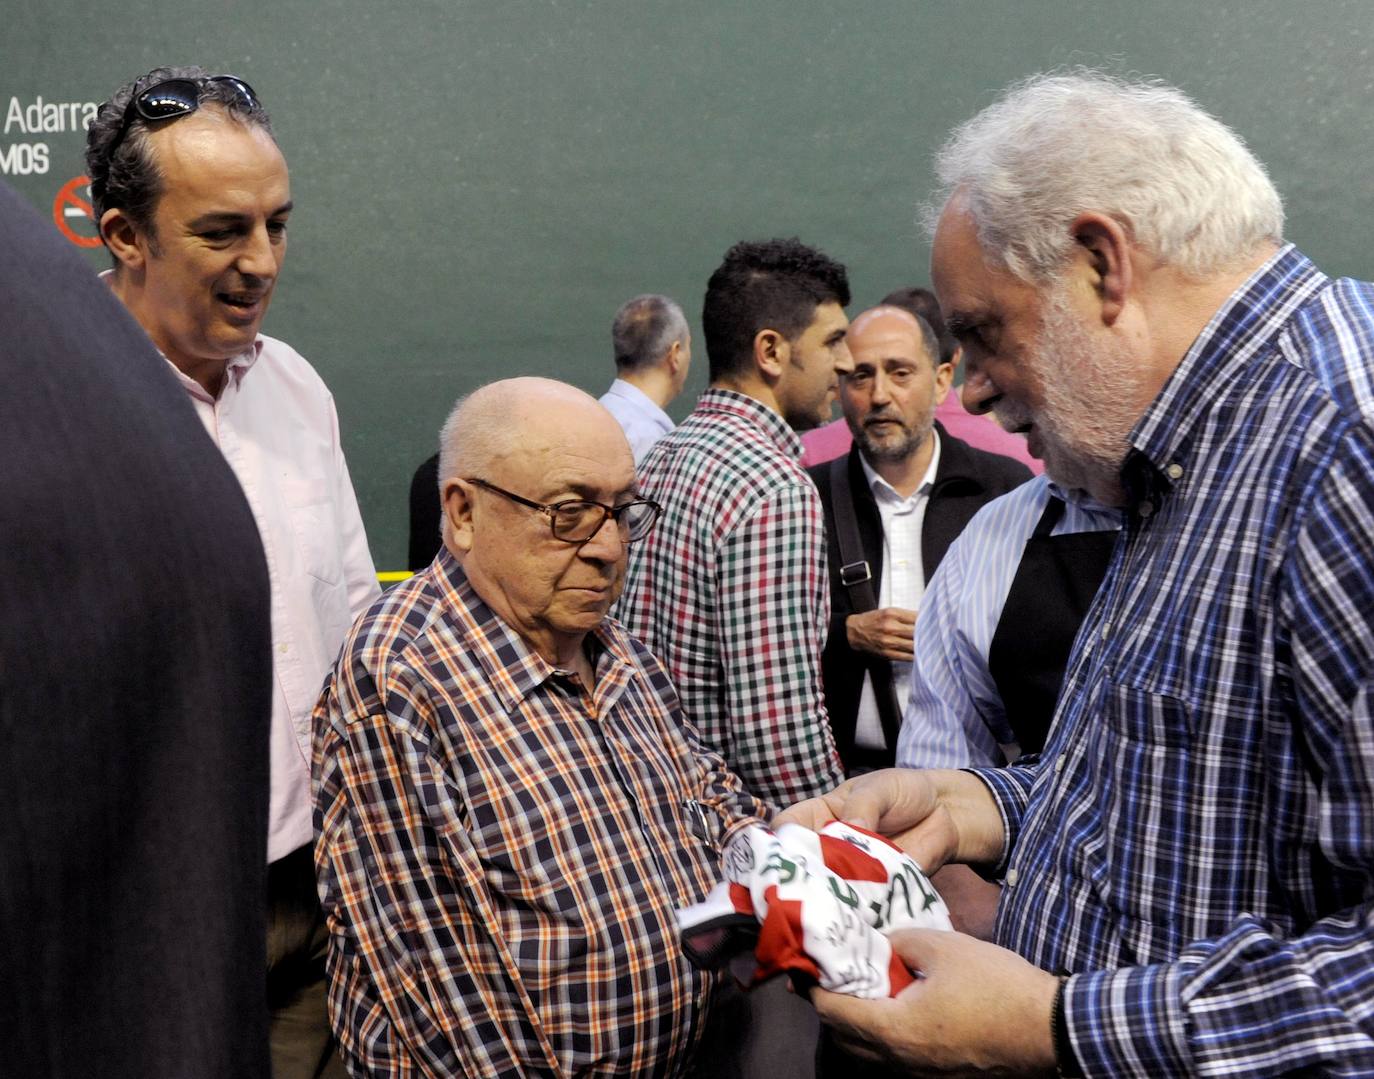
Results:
728 402
885 493
514 669
236 368
1075 496
234 371
642 403
1242 326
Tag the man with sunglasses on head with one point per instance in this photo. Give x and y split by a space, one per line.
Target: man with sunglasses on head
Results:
192 196
511 804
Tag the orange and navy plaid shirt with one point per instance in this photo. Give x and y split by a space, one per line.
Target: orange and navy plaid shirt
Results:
501 855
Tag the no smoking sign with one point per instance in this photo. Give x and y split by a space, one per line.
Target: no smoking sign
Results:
73 215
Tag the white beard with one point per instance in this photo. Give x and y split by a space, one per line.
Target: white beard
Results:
1088 390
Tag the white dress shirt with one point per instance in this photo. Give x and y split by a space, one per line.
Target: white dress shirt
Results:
903 581
643 422
275 423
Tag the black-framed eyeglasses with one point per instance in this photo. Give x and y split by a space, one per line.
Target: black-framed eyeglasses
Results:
577 520
176 97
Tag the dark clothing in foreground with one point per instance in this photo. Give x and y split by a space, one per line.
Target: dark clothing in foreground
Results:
135 672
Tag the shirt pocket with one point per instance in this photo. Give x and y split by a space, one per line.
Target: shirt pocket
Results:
1148 792
317 539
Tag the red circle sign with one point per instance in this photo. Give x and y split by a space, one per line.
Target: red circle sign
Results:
71 204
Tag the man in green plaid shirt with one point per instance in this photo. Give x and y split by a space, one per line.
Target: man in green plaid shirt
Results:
730 590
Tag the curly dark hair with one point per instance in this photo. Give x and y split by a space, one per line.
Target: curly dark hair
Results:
130 178
765 285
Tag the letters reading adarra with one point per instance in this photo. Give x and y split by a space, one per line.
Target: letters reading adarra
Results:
41 117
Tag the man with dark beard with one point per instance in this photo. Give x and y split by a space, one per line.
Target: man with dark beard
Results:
892 507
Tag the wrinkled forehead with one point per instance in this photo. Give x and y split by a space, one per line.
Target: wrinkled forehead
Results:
581 452
959 270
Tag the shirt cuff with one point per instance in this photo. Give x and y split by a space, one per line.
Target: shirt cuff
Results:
1010 790
1128 1022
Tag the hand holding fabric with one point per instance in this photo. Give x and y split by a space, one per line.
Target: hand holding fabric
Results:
940 1024
934 816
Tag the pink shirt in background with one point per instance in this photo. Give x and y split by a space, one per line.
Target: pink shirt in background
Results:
833 440
274 421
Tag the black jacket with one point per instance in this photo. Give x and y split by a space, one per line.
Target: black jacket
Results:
137 666
426 515
966 480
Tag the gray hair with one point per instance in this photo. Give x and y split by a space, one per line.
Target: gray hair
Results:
1180 182
644 329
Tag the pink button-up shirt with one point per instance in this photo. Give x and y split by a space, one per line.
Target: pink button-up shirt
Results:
275 423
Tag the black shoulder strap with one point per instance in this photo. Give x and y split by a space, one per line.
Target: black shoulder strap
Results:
857 576
855 572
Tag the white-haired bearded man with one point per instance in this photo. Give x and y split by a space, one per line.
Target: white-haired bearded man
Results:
1189 865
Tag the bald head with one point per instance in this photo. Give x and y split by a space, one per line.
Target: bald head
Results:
510 451
886 320
519 416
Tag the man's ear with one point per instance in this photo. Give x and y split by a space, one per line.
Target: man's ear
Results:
673 361
126 241
1106 259
771 352
944 379
457 499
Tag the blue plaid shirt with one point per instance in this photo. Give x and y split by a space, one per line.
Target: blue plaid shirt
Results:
1196 844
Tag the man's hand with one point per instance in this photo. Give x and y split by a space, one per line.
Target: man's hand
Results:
935 816
979 1009
886 632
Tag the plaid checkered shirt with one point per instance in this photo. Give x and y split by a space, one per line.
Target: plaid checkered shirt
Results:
1196 843
730 591
501 855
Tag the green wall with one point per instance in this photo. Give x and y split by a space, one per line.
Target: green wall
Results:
479 185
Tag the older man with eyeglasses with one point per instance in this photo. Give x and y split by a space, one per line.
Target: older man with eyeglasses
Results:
192 198
511 806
